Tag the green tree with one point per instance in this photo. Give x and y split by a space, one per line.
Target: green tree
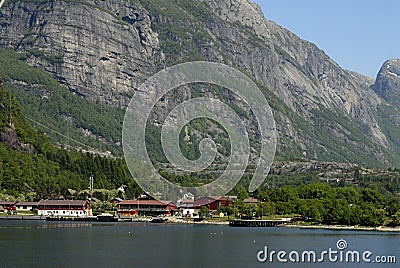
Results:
285 208
250 209
312 209
337 212
356 215
392 206
204 212
395 219
266 208
316 191
370 195
371 215
349 193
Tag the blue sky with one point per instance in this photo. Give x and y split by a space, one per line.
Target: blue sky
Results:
358 34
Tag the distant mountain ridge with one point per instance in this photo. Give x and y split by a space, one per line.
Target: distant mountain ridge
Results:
102 51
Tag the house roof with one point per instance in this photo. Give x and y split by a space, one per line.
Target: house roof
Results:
94 199
6 203
62 203
187 201
23 203
204 201
145 202
250 200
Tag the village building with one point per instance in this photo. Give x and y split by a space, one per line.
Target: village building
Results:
213 202
26 206
8 205
250 200
145 208
116 200
186 207
64 208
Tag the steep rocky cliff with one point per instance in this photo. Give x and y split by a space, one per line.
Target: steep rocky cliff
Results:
102 50
387 83
387 86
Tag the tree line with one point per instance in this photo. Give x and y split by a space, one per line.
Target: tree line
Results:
322 203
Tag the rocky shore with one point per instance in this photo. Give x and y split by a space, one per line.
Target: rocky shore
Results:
345 227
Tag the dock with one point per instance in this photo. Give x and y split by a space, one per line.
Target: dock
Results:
99 218
22 217
258 223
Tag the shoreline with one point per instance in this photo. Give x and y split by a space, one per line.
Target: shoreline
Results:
344 227
191 221
136 219
226 222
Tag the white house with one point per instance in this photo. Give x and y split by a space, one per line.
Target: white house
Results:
187 207
64 208
26 206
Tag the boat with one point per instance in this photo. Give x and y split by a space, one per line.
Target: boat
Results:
258 223
107 217
100 218
62 218
158 220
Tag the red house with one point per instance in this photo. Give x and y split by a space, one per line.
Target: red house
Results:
213 202
8 205
145 207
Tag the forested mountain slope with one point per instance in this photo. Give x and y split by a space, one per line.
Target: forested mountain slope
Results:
101 51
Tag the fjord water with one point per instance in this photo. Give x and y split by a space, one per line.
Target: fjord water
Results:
66 244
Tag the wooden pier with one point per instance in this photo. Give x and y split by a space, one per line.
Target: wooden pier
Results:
22 217
258 223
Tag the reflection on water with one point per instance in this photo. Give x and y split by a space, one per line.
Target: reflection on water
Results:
74 244
66 225
41 224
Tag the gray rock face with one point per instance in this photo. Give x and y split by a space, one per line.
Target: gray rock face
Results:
87 47
10 138
387 83
302 75
103 50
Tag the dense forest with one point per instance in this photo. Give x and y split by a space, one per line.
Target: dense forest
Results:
32 168
55 110
322 203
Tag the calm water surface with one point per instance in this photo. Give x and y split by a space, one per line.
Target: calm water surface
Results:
52 244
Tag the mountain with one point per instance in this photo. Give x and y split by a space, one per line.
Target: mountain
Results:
57 111
31 168
387 84
99 52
